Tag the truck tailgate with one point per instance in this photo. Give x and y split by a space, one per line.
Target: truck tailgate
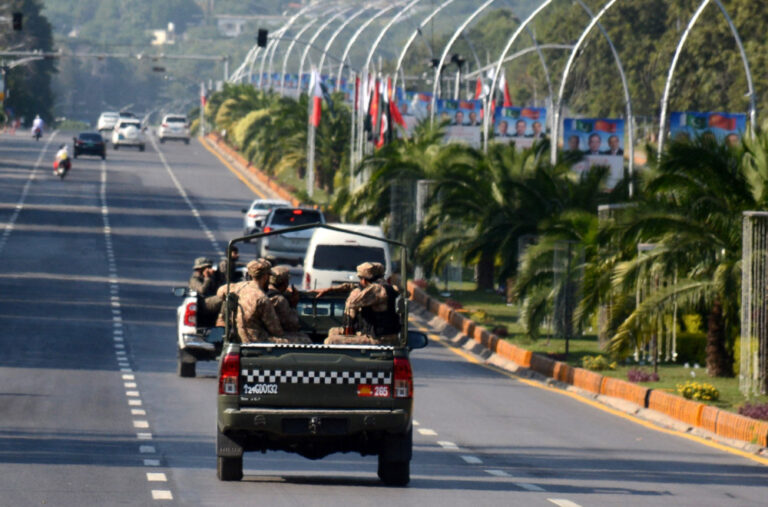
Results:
316 376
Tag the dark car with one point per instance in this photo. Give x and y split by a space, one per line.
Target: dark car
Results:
89 143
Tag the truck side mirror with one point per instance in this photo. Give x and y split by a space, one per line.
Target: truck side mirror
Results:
417 340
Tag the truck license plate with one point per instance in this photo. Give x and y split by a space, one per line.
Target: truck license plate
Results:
368 391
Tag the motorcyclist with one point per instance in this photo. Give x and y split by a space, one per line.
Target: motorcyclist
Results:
62 158
37 124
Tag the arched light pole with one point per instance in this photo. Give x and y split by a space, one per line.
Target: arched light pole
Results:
384 31
295 38
312 42
676 57
448 46
518 54
416 32
335 34
627 99
355 36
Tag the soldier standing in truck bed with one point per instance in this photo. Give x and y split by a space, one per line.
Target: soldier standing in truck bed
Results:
255 317
285 300
203 281
370 309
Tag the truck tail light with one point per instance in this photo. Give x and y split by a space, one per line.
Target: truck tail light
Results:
403 382
229 375
307 281
190 314
267 229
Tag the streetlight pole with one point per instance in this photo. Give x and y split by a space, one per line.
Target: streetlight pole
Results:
290 48
311 43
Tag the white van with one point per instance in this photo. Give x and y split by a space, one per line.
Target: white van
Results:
332 257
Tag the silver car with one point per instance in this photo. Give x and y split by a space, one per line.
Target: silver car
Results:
253 216
289 247
128 132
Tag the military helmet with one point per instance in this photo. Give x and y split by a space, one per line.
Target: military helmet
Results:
258 267
279 275
203 262
371 270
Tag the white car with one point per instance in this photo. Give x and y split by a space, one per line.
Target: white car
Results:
254 215
332 257
174 126
128 132
107 121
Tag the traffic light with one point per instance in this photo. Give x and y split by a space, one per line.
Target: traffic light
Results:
261 39
18 19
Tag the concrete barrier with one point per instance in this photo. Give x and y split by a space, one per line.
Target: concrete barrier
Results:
587 380
688 411
739 427
625 390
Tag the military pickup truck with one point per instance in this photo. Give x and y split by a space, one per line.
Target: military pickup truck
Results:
316 399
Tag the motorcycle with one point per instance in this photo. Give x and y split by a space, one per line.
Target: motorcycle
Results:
37 133
62 167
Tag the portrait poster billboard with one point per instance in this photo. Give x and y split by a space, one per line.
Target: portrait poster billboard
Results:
414 107
601 140
726 127
521 125
465 120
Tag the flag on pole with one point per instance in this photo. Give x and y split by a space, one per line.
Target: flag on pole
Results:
394 111
504 87
202 94
317 99
479 88
384 86
374 110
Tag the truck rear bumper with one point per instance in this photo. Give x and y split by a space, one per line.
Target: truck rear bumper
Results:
322 430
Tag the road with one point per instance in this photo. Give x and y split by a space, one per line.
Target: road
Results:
92 412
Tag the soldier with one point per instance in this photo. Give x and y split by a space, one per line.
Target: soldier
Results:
255 318
234 274
285 300
370 309
203 281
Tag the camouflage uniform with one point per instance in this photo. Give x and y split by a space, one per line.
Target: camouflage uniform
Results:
256 320
373 296
288 316
210 304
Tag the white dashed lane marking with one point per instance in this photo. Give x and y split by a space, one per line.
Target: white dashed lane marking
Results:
448 445
472 460
562 502
498 473
144 436
156 477
530 487
140 424
147 449
161 494
427 432
151 462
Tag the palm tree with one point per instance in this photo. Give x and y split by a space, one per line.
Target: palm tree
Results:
692 212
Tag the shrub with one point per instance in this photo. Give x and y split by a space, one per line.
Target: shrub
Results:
756 411
691 347
698 391
454 304
597 363
635 375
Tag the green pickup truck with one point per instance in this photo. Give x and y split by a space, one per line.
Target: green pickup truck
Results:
317 399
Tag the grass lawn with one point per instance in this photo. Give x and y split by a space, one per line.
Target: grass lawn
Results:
490 310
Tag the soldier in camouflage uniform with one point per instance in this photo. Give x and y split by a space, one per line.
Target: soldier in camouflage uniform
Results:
285 300
370 309
203 281
255 317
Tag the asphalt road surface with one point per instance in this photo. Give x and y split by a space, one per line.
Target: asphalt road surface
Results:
93 413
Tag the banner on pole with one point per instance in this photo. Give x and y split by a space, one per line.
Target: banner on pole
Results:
519 125
465 120
601 140
725 127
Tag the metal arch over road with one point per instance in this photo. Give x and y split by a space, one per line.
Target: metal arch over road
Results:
416 32
384 30
566 72
311 44
439 68
336 33
356 35
676 57
294 39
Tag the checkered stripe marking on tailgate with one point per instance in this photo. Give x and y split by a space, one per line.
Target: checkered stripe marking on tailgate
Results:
316 377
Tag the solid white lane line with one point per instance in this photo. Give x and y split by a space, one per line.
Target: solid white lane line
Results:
147 449
161 494
156 477
562 502
448 445
472 460
498 473
427 432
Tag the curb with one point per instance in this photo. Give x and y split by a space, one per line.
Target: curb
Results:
686 415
